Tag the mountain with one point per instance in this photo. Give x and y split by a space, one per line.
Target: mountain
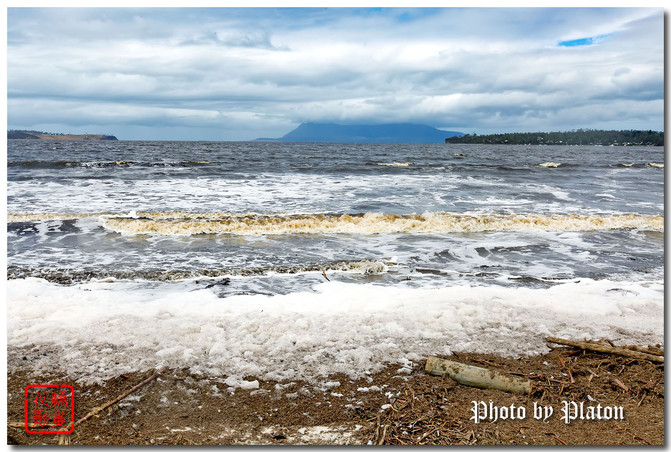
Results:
35 135
379 133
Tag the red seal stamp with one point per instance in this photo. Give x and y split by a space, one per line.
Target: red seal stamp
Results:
49 409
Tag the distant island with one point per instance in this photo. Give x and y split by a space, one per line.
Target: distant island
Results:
35 135
375 133
574 137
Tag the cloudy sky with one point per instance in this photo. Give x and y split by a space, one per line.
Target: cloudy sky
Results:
239 74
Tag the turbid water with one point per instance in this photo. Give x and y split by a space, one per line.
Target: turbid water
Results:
266 259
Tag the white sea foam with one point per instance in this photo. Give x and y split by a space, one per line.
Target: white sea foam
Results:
265 193
402 192
189 223
371 223
98 330
605 195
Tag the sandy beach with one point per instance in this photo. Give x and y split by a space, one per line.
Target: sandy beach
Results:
399 405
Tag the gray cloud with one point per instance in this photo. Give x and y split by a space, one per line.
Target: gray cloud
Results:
232 73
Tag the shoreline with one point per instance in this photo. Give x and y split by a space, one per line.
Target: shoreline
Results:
398 405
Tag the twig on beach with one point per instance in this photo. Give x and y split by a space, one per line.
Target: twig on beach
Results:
384 433
641 401
554 435
377 429
64 439
22 425
561 361
595 347
620 384
97 410
634 435
487 363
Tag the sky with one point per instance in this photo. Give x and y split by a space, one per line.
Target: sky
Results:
243 73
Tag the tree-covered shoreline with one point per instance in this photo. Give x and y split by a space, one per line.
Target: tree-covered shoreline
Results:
37 135
573 137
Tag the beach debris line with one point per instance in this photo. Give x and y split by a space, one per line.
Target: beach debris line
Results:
478 377
431 410
630 352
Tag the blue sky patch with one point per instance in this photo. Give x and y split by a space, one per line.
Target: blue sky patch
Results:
583 41
577 42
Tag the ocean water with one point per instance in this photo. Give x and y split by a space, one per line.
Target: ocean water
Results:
297 260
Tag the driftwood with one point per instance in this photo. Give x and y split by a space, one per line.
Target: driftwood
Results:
478 377
22 425
651 350
64 439
97 410
608 349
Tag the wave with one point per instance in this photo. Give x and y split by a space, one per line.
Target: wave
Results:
512 168
33 217
65 164
45 164
190 223
72 276
395 164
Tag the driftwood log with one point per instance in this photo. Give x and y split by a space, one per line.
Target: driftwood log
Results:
478 377
650 350
608 349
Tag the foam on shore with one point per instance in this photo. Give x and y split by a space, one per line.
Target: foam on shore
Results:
97 330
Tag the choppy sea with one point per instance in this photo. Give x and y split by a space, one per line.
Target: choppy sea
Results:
298 260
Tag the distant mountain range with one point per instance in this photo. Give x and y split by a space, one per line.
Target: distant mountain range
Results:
378 133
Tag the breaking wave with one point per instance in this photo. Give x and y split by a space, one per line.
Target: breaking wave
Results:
45 164
189 223
68 276
395 164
